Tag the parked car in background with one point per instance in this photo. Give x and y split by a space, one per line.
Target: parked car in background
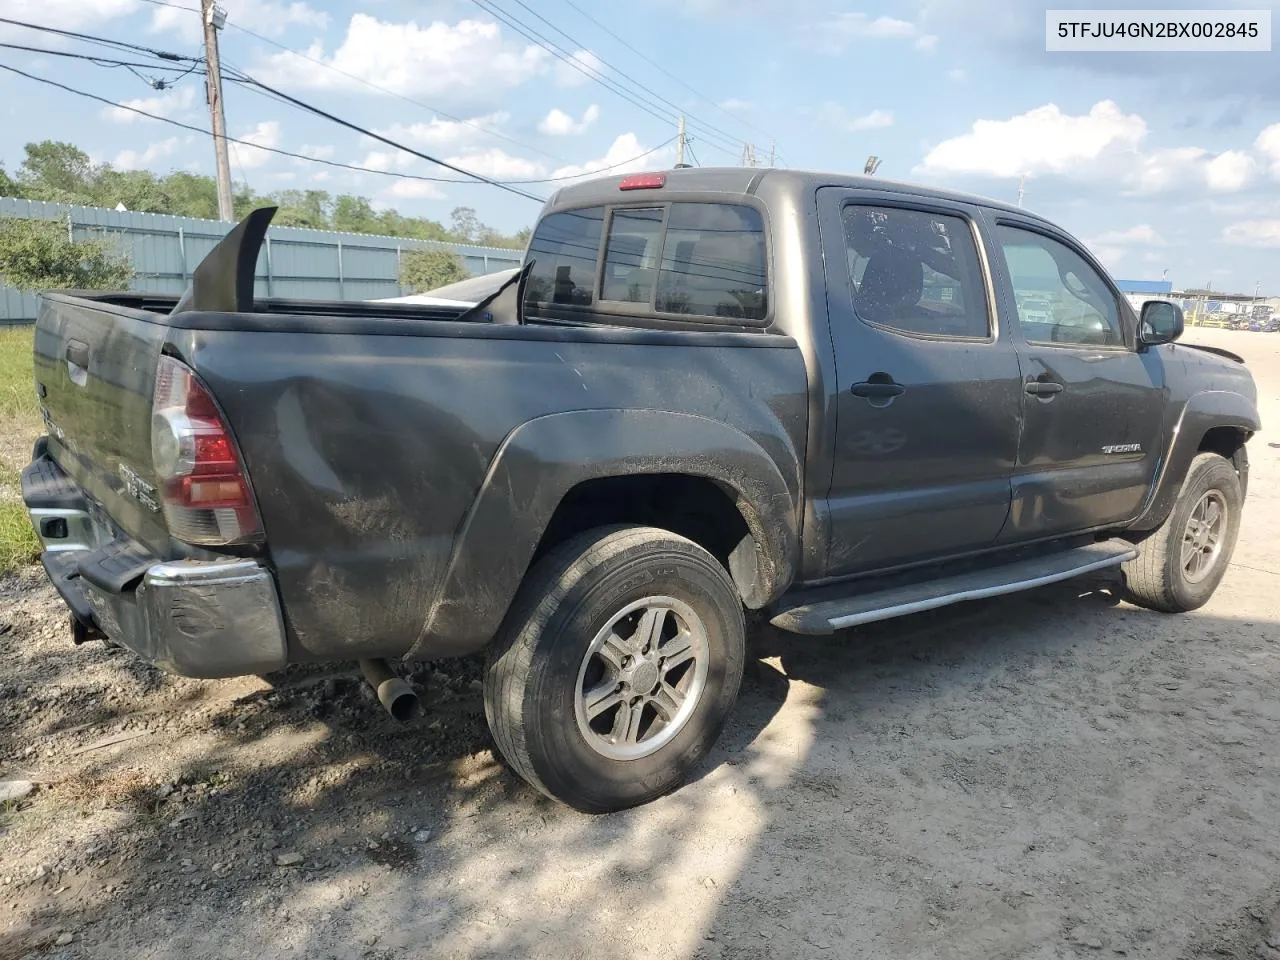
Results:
707 392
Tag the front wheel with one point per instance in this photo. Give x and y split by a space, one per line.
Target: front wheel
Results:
616 668
1183 561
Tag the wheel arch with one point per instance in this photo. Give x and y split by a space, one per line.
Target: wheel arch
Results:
560 474
1213 421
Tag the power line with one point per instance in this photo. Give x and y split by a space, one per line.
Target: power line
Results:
365 131
577 43
477 178
653 63
98 61
533 36
381 89
262 90
103 41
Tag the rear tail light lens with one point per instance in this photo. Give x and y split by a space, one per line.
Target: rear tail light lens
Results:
642 181
203 487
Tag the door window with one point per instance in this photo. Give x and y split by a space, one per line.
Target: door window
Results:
916 272
1060 298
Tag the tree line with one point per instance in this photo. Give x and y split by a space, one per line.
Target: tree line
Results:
38 254
61 172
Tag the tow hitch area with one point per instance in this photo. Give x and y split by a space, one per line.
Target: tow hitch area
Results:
82 632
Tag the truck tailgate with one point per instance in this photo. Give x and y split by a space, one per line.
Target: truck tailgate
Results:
95 370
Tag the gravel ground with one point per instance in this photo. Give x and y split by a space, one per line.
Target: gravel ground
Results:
1051 775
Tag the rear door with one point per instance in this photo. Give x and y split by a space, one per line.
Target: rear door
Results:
1092 404
928 387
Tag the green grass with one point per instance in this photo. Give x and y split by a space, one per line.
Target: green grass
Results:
17 391
19 425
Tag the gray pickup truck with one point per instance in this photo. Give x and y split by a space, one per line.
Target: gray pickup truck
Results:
820 399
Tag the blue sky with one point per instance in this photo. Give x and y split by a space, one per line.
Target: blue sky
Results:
1158 161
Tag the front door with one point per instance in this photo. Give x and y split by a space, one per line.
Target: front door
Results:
1092 405
928 388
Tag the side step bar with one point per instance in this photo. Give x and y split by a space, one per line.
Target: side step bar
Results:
828 616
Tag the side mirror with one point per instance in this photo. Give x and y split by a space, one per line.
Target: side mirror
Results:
1160 322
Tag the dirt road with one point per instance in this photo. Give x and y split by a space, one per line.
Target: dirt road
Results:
1053 775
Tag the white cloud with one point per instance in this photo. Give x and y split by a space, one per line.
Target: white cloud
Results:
408 59
386 159
262 16
323 152
557 123
1268 144
1104 144
1230 171
1142 235
1040 141
141 160
265 134
65 14
874 120
957 75
497 164
734 104
833 35
415 190
163 105
625 155
1253 233
445 133
588 65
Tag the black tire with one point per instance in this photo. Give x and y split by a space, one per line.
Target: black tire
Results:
1156 578
532 679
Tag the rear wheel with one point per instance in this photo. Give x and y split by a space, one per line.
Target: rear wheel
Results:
616 667
1184 560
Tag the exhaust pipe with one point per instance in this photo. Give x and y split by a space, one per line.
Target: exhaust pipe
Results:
394 693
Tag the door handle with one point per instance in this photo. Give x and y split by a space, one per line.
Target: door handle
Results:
78 353
1043 388
881 390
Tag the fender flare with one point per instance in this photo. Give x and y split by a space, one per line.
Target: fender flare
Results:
1201 413
540 461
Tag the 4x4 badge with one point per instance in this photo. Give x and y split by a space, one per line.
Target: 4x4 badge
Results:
139 489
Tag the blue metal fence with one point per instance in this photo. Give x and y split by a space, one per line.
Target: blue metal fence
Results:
295 262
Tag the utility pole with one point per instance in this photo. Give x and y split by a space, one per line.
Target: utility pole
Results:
213 18
680 143
1022 185
773 151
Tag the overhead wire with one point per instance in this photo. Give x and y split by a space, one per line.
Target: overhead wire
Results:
577 43
653 63
98 61
102 41
536 38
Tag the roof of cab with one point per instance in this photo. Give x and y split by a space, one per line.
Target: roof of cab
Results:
747 180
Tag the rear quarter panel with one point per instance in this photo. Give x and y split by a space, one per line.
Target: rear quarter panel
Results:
366 451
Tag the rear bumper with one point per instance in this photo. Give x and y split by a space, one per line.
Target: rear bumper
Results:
192 617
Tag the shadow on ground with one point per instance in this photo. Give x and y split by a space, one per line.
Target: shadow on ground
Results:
1045 776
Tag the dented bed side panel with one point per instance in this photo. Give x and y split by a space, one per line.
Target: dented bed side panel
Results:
367 453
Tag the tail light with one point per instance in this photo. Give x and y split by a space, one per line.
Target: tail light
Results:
203 487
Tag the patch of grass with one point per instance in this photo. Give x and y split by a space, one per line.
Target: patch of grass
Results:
17 387
19 544
18 419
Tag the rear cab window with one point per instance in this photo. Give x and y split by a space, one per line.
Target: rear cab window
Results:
682 260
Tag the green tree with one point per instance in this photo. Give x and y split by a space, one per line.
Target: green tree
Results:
302 208
467 227
58 171
7 187
422 270
38 255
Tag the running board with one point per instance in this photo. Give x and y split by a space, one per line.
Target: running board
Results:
828 616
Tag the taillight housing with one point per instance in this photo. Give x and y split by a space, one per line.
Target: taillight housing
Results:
203 488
